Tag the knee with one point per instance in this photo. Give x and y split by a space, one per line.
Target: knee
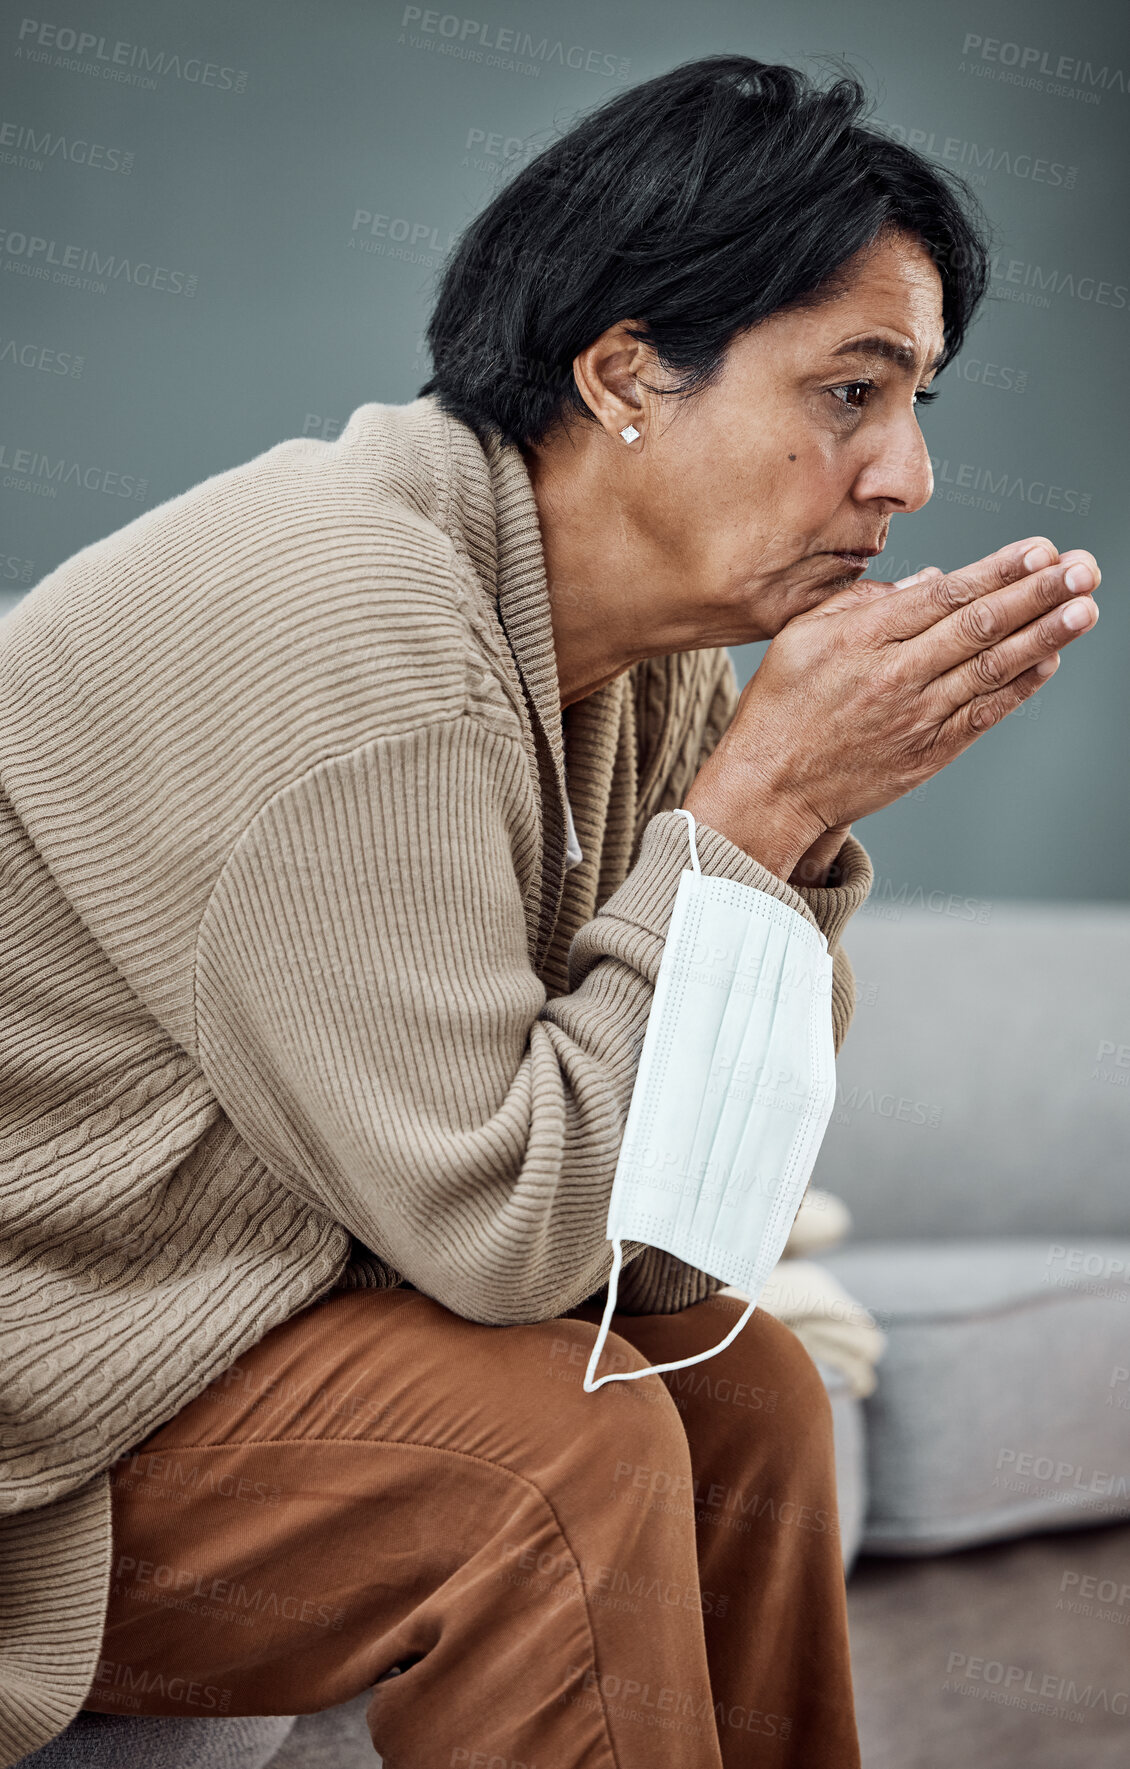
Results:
794 1385
784 1366
764 1386
622 1427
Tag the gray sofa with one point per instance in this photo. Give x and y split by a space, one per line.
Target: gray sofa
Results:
980 1138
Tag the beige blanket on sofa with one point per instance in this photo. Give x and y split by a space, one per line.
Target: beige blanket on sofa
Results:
831 1325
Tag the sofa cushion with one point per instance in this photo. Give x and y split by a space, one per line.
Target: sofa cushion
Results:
984 1086
337 1738
1003 1401
142 1741
851 1460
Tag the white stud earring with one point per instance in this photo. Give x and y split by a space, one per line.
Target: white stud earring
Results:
629 433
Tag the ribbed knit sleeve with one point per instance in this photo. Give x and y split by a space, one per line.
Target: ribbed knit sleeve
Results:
368 1016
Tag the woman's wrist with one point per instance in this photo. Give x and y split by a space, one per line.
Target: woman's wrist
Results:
819 865
754 813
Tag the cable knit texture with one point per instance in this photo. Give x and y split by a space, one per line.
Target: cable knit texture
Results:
296 992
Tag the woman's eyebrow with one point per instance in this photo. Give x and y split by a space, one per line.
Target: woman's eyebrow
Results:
888 352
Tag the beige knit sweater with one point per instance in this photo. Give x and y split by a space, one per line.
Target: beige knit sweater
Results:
295 990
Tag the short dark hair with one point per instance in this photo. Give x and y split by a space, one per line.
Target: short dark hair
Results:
696 203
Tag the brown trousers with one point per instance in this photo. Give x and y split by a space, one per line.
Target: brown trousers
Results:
382 1495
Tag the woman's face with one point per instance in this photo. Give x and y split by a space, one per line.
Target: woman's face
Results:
774 487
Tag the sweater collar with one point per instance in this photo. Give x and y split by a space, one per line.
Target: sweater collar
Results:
522 591
492 512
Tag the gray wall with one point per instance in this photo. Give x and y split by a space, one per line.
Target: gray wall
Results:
275 188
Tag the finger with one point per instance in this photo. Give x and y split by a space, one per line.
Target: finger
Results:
1001 664
869 589
924 604
977 716
988 619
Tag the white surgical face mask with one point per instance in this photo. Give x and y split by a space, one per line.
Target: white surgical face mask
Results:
735 1087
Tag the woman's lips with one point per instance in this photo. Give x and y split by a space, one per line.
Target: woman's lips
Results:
858 559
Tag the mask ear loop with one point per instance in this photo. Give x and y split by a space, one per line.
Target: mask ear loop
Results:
651 1369
590 1386
689 815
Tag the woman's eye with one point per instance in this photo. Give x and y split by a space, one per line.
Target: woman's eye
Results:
853 393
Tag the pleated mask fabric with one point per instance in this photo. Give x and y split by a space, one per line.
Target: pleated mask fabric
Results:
734 1090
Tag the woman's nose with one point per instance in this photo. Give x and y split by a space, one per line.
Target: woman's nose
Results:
899 475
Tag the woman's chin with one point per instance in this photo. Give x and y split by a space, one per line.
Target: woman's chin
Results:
835 574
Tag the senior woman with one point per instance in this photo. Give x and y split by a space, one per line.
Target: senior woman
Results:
341 830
